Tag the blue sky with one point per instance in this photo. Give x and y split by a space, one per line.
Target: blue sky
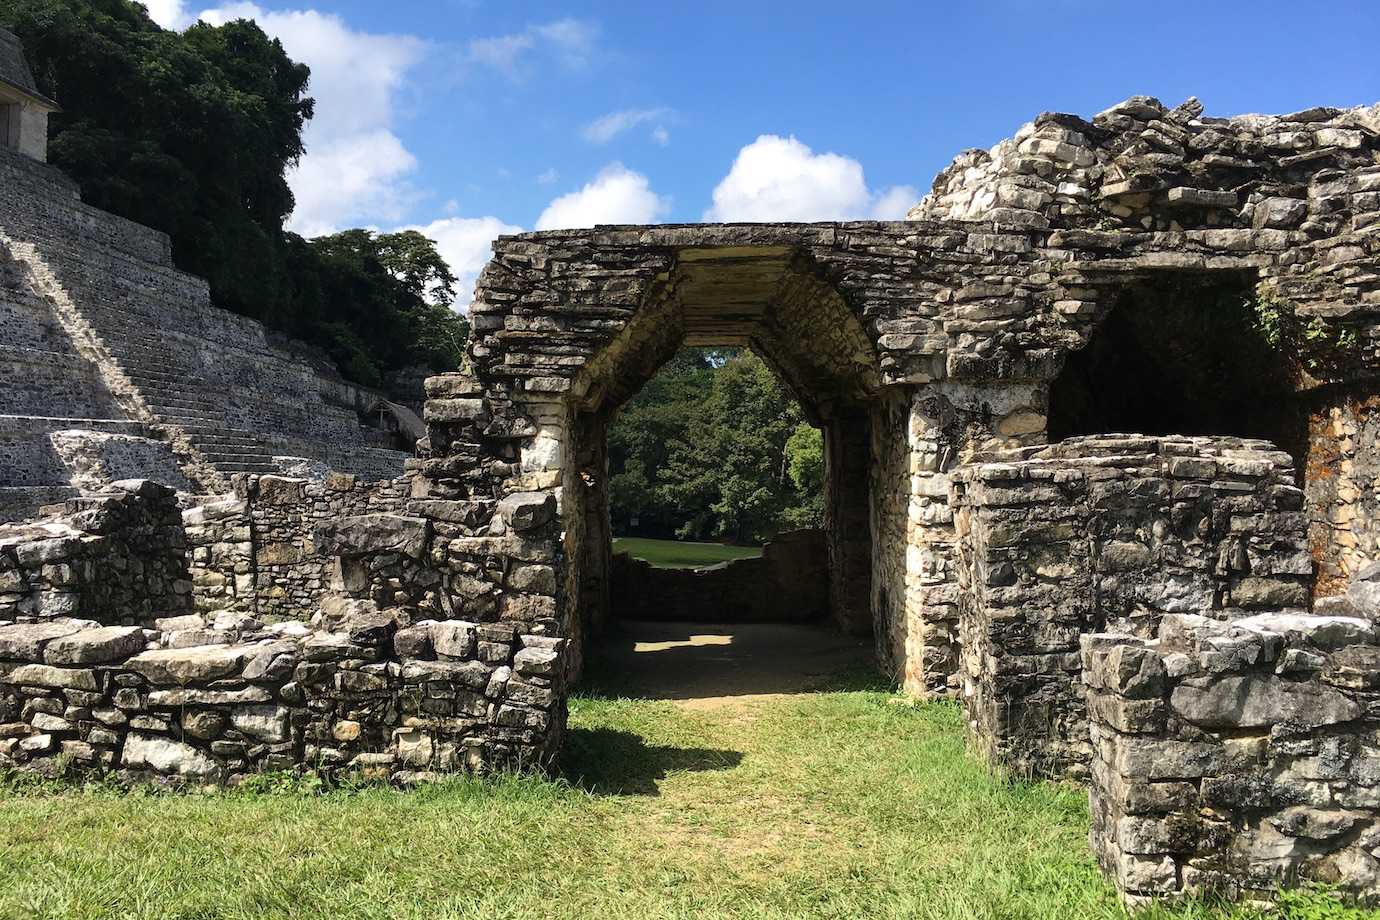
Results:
472 117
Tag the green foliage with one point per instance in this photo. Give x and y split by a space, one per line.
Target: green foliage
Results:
714 447
192 133
1321 349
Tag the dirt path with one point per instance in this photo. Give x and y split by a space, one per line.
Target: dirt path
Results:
713 666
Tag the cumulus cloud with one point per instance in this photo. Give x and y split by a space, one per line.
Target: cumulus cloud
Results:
607 127
170 14
781 179
617 195
465 243
355 169
572 41
893 203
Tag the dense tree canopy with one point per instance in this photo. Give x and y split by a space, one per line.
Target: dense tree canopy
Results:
193 133
714 447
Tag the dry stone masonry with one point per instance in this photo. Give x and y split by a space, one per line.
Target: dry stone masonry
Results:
1107 533
103 664
1100 461
1236 756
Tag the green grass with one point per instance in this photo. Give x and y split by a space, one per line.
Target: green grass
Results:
840 804
675 554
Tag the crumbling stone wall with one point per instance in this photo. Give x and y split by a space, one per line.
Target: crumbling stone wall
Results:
1341 477
113 559
1237 756
255 550
363 687
1109 533
788 583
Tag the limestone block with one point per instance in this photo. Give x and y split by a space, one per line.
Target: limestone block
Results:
527 510
164 755
25 641
95 646
193 665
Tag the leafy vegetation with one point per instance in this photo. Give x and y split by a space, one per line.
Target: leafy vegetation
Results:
714 447
681 554
1322 350
192 133
838 804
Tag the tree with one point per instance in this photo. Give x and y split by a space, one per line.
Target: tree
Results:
714 447
193 133
189 133
379 302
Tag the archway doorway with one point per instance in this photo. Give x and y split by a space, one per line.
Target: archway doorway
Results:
769 312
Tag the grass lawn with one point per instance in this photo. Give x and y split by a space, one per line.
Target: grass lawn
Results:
674 554
840 804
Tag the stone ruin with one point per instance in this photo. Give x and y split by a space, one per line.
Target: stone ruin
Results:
1069 482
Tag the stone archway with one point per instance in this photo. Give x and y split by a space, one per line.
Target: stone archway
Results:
770 300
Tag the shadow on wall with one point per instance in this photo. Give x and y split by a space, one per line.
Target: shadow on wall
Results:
788 583
608 761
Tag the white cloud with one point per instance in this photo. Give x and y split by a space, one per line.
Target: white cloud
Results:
617 195
572 41
355 169
359 179
170 14
466 245
548 177
661 136
893 203
607 127
780 179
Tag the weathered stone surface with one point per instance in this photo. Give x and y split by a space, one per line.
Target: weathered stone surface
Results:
25 641
1268 775
527 510
368 534
40 675
263 723
1253 701
95 646
181 666
164 755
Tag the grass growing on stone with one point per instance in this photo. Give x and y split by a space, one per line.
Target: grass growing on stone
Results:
839 804
675 554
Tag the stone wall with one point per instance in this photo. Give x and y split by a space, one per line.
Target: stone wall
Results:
104 666
788 583
255 550
211 701
1108 533
1341 478
1236 757
111 559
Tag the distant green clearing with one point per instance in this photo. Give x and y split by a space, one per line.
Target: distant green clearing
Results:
673 554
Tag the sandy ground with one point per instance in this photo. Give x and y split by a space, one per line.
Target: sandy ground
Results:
708 665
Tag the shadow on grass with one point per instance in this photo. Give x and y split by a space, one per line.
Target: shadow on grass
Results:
607 761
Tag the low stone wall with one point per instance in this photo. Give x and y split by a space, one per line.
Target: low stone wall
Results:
255 552
210 701
116 558
1101 533
104 666
1237 757
788 583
